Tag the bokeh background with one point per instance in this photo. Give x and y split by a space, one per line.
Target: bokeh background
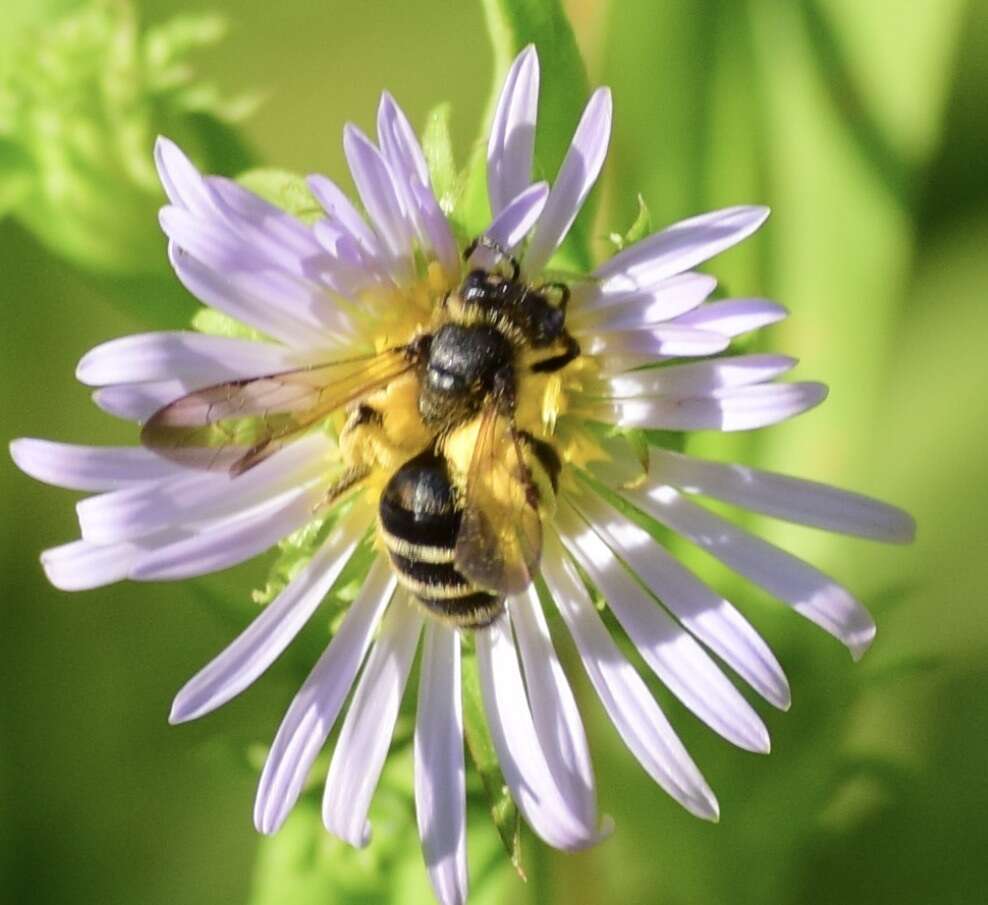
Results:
863 125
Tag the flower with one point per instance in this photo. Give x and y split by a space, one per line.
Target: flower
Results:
345 285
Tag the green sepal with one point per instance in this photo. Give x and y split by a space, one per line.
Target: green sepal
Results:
637 231
216 323
437 145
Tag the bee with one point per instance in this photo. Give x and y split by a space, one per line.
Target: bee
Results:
460 512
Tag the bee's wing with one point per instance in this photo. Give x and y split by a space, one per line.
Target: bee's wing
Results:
499 543
234 426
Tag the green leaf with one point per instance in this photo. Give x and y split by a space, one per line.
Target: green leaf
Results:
481 748
83 96
16 175
512 25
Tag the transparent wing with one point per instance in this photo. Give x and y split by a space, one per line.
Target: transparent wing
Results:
499 543
234 426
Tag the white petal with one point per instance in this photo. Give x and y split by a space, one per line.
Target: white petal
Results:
181 181
376 185
782 497
680 247
593 306
701 377
196 357
732 317
94 468
576 177
674 655
228 542
708 616
806 589
628 703
260 644
557 719
440 775
314 710
369 725
733 409
665 340
546 808
511 147
196 496
513 223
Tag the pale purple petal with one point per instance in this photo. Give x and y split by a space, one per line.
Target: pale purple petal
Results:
708 616
243 297
673 654
791 499
404 156
181 181
628 703
185 355
314 710
680 247
93 468
81 565
511 147
593 306
342 212
265 228
195 496
376 185
228 542
139 401
546 808
440 774
434 228
733 409
366 734
733 317
509 228
811 593
576 177
260 644
557 719
665 340
702 377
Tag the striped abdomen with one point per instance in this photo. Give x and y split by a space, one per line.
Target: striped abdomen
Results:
419 521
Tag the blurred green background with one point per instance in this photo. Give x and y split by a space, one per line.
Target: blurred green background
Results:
863 125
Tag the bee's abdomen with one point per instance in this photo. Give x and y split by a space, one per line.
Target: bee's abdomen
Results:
419 521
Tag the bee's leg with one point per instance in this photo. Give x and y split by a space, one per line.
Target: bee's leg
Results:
557 362
503 390
564 294
341 487
546 455
483 241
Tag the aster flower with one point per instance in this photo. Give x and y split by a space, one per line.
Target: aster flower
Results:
350 284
